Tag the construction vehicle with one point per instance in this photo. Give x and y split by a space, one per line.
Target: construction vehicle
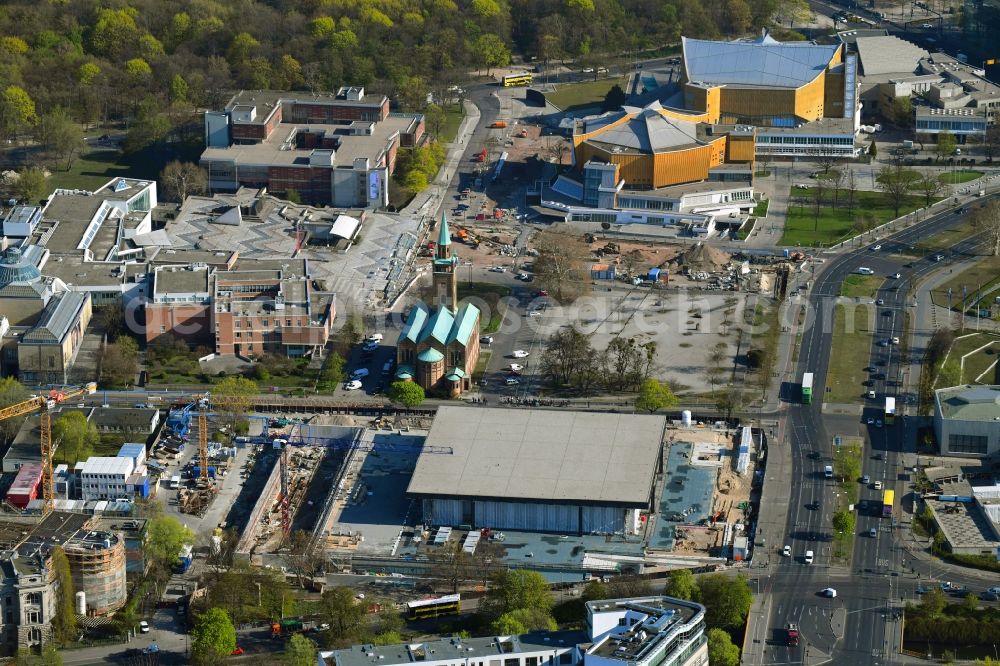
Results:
44 405
498 124
184 559
287 626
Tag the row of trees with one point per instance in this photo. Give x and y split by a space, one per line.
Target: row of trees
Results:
727 602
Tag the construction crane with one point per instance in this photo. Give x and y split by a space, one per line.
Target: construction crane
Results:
179 422
45 404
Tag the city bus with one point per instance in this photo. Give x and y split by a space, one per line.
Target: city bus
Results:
424 608
890 410
807 388
521 79
888 499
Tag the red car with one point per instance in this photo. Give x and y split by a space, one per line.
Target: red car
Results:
238 651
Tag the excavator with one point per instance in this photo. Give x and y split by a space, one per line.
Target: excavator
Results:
45 404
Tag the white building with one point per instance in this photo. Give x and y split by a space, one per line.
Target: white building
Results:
104 477
648 631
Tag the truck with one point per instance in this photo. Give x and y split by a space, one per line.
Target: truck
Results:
792 634
184 559
498 124
287 626
175 482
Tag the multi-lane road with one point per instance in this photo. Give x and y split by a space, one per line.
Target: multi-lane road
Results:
859 625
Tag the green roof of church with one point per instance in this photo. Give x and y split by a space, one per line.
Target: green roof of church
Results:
430 355
444 235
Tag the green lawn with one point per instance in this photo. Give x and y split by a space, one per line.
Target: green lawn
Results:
492 295
453 115
984 275
760 210
96 167
860 286
941 240
960 176
837 224
955 372
849 356
580 95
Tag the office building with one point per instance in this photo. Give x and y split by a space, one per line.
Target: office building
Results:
967 420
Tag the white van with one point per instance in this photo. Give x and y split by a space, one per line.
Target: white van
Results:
809 557
175 482
864 270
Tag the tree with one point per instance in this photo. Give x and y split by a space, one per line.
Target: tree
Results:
654 396
847 462
793 11
17 112
730 401
986 220
50 656
873 149
74 437
721 650
991 142
213 637
342 612
843 522
165 537
30 185
559 264
595 590
516 589
59 136
569 359
64 618
119 363
624 587
182 179
410 394
727 600
11 393
934 601
851 188
232 399
490 51
434 118
901 113
681 584
896 182
818 191
929 185
300 651
946 144
614 99
522 621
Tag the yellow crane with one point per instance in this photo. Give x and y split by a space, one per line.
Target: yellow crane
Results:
44 404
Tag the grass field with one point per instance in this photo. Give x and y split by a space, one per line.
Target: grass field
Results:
493 295
453 115
836 224
96 167
760 210
955 372
981 277
580 95
860 286
849 356
959 177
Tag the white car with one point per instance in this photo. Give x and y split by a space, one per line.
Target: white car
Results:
486 339
511 381
144 627
809 557
497 269
374 337
895 341
829 592
515 367
519 353
359 373
534 313
876 248
588 70
352 385
787 551
896 276
926 26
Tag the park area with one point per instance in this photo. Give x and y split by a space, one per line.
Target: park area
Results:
576 96
970 287
860 286
960 177
806 226
971 360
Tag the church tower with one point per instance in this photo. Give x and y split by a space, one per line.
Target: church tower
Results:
445 270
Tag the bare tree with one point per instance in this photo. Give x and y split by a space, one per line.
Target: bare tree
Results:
929 185
817 193
987 220
559 265
851 188
896 182
827 162
181 179
835 180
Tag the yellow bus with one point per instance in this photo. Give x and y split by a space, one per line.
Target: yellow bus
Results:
425 608
888 502
523 79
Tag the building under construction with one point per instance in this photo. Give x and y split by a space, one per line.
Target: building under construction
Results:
97 562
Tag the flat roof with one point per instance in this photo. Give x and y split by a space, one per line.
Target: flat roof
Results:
265 100
969 403
182 281
885 54
829 126
657 620
107 465
271 150
73 270
541 455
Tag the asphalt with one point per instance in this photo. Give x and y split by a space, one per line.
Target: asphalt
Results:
884 569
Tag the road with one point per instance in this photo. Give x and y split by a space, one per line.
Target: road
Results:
858 626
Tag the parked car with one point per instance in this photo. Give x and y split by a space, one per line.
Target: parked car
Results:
144 627
787 551
519 353
511 381
486 339
353 385
829 592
